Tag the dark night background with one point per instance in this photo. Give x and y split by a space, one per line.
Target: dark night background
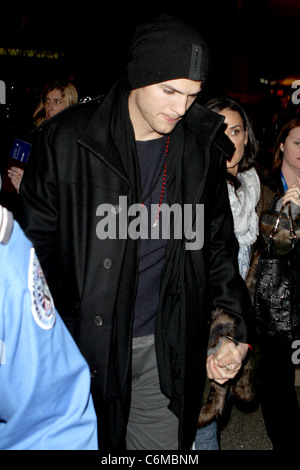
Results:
253 44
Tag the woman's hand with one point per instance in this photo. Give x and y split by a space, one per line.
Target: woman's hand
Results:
15 174
292 194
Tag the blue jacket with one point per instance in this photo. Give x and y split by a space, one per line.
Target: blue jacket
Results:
45 398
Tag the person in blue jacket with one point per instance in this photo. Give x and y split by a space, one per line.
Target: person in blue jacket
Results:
45 400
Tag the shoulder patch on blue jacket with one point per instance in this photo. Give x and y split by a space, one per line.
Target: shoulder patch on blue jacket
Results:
42 305
2 352
6 225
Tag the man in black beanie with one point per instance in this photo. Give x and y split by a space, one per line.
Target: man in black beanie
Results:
166 49
137 298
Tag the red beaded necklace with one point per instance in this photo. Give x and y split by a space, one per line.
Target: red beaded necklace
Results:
162 169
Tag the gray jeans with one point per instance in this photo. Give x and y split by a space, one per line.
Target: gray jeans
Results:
151 426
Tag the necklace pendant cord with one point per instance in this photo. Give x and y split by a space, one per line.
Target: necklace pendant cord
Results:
163 169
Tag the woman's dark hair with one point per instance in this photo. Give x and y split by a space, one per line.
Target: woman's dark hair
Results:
251 148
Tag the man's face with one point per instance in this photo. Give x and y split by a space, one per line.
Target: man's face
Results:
156 109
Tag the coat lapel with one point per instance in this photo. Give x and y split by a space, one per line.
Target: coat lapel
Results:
201 128
97 136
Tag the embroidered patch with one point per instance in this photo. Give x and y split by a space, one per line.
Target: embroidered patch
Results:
196 62
42 305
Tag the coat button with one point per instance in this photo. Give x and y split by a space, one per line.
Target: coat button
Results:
107 263
98 320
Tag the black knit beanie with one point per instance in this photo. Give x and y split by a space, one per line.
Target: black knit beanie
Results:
166 49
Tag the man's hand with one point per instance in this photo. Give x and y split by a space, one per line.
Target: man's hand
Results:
225 363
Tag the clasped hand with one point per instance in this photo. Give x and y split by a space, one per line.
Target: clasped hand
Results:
292 194
227 360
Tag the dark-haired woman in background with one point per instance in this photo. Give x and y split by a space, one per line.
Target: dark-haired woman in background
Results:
242 179
244 192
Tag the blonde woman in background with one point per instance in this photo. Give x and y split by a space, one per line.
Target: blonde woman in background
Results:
56 96
276 369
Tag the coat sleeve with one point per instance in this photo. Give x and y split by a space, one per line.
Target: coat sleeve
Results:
227 288
39 201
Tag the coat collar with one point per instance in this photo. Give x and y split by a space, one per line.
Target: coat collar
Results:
200 125
97 137
203 121
208 125
203 128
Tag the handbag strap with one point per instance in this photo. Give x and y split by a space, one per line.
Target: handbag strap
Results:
292 227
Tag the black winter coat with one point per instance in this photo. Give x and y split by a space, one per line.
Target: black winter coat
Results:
74 167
